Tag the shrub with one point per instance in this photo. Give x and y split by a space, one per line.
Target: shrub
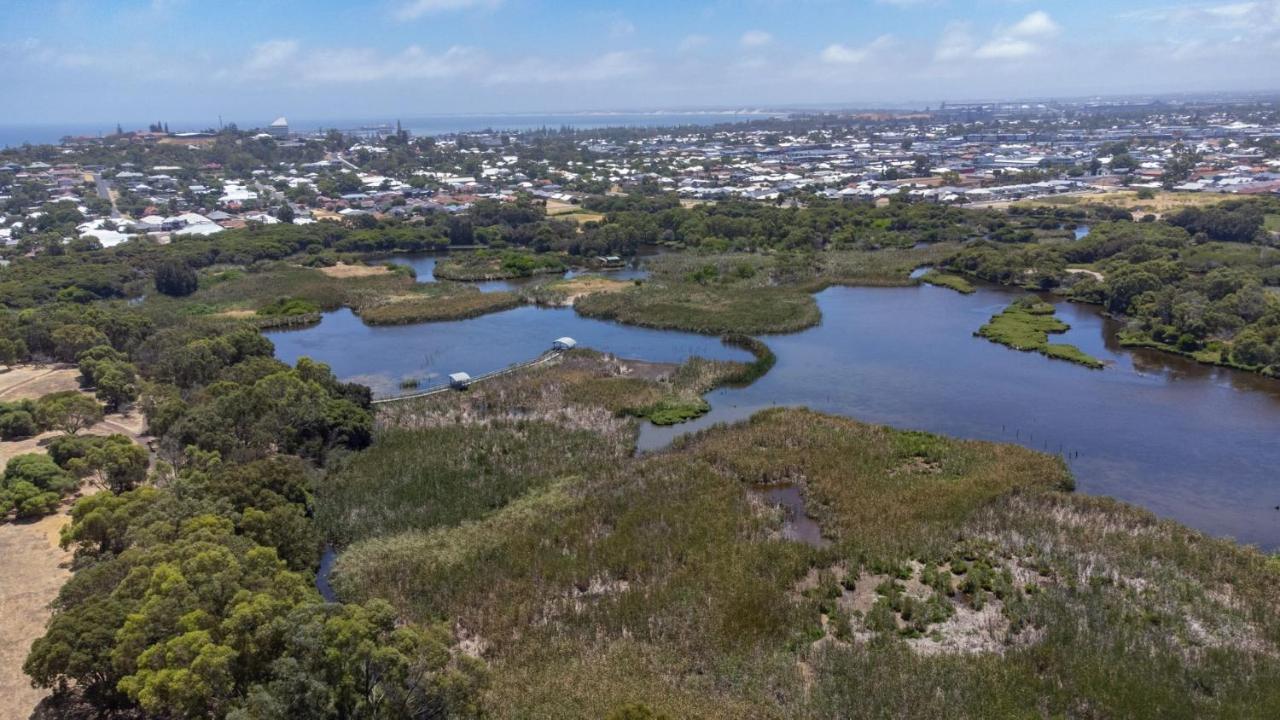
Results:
176 279
17 424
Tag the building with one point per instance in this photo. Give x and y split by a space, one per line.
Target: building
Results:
564 343
459 380
279 128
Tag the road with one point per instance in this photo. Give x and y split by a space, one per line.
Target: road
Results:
104 192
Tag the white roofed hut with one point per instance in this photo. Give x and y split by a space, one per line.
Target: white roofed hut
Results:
564 343
459 381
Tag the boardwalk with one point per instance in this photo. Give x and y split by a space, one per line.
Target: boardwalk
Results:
446 387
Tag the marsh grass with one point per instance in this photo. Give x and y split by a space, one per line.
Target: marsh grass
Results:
497 265
952 282
1026 325
660 580
435 305
285 295
751 293
710 309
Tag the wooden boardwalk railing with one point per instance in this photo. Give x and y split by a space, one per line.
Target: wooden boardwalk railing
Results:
446 387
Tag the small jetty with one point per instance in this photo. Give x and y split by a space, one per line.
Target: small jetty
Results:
462 380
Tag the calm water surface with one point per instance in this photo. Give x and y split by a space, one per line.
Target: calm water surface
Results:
1184 440
382 356
424 264
1187 441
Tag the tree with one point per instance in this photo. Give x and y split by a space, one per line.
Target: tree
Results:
71 340
176 279
117 385
33 485
119 463
285 213
70 411
11 351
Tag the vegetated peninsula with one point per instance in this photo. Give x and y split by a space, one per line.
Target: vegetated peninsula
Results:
504 551
1027 324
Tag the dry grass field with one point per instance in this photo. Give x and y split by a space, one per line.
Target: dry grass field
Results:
35 567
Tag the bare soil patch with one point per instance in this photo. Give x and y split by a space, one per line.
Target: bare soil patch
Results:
35 567
30 382
589 285
342 270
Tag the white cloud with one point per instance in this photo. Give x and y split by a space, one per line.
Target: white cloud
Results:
610 66
693 42
271 54
1023 39
415 9
956 42
838 54
358 65
1037 24
1006 48
755 38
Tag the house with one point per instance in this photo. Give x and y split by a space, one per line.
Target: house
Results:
564 343
459 380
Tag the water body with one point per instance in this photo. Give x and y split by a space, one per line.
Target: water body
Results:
324 572
1187 441
797 525
446 124
424 265
382 356
16 135
1082 231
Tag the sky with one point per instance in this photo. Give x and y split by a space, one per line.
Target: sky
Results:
64 61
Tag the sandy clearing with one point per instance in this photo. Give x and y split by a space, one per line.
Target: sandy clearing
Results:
1091 273
583 218
35 568
556 207
589 285
342 270
29 382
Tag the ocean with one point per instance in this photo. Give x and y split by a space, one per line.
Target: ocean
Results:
16 135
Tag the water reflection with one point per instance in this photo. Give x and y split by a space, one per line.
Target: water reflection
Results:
424 265
1187 441
381 357
797 525
1179 438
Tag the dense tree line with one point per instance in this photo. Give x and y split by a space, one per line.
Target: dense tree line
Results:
1178 291
193 594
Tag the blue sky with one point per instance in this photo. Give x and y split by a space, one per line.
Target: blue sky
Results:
190 60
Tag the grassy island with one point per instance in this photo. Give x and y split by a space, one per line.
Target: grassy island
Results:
952 282
1026 325
497 265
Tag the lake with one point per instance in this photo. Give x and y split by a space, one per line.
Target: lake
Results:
1187 441
424 265
382 356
